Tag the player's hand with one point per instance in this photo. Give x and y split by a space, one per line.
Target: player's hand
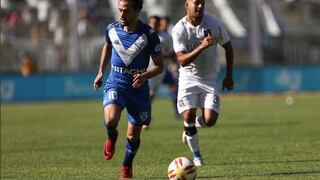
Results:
98 81
138 80
207 41
227 83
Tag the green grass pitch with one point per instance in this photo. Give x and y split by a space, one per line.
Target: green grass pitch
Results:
256 137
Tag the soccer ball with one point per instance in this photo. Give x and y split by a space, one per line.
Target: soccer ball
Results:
182 168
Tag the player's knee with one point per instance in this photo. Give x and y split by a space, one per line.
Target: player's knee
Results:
211 121
132 138
111 120
189 116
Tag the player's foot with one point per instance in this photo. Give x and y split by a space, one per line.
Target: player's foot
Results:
126 172
198 161
198 124
109 147
145 127
184 138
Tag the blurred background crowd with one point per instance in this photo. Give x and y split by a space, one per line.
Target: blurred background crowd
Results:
66 35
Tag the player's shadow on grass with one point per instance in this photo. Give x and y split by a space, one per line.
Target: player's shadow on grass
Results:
259 124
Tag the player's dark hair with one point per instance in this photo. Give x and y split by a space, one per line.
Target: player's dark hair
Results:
136 4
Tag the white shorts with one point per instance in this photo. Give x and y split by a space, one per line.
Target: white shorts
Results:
193 95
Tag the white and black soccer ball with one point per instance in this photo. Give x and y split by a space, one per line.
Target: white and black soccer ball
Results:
182 168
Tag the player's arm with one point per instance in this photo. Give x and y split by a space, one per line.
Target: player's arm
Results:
185 58
106 49
139 79
228 80
156 69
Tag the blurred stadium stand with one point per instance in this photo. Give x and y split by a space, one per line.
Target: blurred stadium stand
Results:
65 37
43 28
290 30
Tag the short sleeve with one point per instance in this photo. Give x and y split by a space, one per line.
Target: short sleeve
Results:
155 48
178 39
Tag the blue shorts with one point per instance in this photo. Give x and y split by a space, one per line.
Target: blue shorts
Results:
138 105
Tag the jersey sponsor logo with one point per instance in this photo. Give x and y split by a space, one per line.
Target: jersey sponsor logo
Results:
127 55
123 70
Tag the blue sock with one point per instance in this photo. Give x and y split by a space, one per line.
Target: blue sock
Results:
196 154
131 150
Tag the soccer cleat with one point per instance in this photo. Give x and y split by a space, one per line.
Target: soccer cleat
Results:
145 127
184 138
109 147
198 161
126 172
198 125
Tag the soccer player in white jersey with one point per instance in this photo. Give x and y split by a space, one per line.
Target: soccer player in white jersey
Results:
195 40
131 43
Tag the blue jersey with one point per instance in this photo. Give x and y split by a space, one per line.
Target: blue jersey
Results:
131 52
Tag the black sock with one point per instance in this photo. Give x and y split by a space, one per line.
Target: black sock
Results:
190 130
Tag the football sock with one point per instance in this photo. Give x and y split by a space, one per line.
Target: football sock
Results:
131 150
112 133
200 122
192 138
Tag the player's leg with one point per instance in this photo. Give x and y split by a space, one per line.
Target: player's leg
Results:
191 136
208 119
132 146
113 103
187 105
210 111
112 115
139 113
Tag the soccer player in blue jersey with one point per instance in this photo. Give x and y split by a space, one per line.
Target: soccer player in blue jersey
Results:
130 43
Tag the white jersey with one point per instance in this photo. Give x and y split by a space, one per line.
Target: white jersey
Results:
187 37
